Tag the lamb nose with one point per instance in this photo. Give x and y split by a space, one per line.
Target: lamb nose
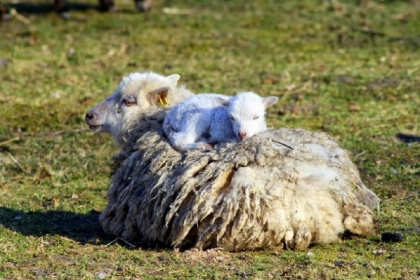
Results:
242 135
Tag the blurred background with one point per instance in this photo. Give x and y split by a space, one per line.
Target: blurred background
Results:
348 68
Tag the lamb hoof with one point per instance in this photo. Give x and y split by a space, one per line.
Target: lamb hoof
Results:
206 147
203 146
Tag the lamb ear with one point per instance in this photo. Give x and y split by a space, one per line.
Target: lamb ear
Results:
224 101
159 97
270 101
174 78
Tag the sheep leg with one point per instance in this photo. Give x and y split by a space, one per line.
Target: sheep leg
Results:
303 238
106 5
60 7
143 5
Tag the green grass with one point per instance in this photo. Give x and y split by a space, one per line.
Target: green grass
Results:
351 70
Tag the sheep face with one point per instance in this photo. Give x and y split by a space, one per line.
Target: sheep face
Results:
136 94
247 113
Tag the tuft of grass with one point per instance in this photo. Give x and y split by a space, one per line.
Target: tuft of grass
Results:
349 68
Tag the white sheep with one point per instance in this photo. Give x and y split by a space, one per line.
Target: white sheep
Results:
224 119
137 94
282 188
243 117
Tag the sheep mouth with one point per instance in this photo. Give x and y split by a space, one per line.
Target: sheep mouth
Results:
95 127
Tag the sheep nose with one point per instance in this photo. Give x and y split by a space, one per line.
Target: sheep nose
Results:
242 135
89 116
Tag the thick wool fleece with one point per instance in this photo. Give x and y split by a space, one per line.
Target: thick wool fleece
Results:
285 188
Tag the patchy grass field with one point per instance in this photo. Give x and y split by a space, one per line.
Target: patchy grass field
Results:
350 68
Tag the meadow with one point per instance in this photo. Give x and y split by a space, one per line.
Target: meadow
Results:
348 68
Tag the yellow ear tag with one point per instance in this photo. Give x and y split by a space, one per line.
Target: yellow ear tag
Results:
163 101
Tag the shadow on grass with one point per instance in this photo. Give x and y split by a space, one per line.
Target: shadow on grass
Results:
407 138
46 8
83 228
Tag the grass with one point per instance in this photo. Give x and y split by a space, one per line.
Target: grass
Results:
351 69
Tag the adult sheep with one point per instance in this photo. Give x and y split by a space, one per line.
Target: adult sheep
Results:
282 188
137 94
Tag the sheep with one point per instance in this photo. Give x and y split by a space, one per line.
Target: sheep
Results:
243 118
283 188
223 119
137 94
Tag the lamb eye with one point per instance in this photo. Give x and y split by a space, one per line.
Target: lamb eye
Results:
256 118
129 101
231 117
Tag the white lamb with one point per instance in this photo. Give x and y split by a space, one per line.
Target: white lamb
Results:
224 119
187 123
243 117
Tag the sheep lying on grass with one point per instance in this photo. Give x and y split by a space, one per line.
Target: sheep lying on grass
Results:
243 117
282 188
137 94
224 120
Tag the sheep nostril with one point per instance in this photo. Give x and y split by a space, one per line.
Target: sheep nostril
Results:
89 116
242 135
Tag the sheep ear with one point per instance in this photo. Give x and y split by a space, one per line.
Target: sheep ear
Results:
159 97
270 101
174 78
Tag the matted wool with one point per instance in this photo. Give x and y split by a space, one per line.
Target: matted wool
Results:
285 188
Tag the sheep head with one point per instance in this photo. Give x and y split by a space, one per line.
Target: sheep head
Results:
136 94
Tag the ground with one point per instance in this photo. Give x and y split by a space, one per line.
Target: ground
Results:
349 68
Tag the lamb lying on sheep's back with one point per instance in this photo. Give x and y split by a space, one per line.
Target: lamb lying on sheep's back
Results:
284 187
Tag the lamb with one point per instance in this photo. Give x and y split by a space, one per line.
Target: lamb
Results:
243 118
188 122
136 95
226 120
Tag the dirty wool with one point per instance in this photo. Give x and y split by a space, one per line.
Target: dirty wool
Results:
283 188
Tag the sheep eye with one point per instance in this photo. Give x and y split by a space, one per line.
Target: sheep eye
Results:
129 101
256 118
231 117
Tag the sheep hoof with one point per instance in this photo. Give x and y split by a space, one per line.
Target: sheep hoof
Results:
65 15
303 238
144 6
